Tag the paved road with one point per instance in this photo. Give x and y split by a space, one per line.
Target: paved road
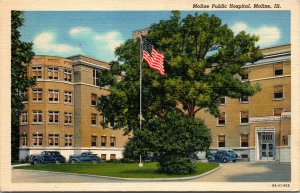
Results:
250 172
229 172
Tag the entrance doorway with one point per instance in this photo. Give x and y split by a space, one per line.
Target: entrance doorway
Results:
266 145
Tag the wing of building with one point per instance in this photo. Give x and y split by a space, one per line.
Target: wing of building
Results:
60 113
258 127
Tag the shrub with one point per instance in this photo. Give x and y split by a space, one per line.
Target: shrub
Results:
177 165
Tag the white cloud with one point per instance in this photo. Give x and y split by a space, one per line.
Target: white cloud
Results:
46 43
100 45
268 35
80 30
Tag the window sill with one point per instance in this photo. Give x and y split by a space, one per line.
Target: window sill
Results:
68 124
243 124
246 102
278 99
52 123
22 124
51 102
221 125
37 101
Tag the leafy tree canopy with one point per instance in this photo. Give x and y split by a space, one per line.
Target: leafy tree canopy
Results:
21 55
203 59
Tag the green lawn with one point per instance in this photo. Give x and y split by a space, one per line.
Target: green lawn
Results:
123 170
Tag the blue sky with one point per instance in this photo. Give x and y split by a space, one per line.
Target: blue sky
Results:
97 34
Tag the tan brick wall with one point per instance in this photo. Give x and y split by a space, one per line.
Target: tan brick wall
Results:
261 104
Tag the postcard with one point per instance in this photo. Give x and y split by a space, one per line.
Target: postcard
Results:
197 95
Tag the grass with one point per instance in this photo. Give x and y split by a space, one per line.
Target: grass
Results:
123 170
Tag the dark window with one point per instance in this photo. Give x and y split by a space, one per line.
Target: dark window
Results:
221 119
278 92
93 99
221 141
244 99
244 141
244 117
103 141
278 69
222 100
112 141
94 141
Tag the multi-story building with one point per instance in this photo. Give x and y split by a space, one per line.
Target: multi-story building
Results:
258 127
60 113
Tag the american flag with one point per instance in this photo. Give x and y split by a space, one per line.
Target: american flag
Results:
154 58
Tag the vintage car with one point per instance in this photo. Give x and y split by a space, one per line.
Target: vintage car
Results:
85 157
47 157
223 155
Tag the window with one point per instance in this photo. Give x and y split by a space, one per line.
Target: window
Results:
103 141
53 73
68 140
37 117
24 140
37 95
68 97
24 118
53 117
221 119
244 99
112 141
244 117
68 118
24 96
53 139
112 156
103 156
244 141
278 92
278 69
37 139
68 75
95 77
277 111
53 96
222 100
94 141
37 72
94 119
93 99
221 141
245 75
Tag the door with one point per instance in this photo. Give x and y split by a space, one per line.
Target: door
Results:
267 145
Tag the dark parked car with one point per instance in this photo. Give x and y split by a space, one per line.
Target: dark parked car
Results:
47 157
224 156
85 157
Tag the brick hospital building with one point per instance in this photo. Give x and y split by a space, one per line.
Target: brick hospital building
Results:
60 113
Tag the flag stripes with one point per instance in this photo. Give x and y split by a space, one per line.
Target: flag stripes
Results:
154 58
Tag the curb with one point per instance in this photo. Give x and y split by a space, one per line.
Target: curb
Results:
129 179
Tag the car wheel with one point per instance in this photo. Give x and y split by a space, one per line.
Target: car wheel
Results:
209 159
36 162
73 161
57 161
234 160
224 160
94 161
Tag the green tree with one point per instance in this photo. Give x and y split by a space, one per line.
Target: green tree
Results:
21 55
173 139
203 60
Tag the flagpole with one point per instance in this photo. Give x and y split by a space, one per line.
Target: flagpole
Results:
141 61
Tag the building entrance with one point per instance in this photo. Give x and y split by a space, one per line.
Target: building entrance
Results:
266 145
